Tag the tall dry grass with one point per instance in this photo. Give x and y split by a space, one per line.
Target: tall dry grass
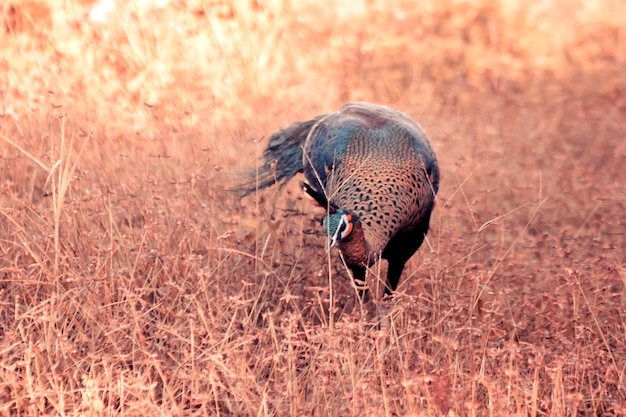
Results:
131 283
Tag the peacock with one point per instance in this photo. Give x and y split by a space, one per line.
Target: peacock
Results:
375 172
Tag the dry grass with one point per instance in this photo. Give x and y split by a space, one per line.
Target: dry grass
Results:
131 283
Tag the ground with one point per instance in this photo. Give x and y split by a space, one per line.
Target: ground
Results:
133 282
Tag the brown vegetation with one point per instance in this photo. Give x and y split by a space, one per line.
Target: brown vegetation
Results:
131 283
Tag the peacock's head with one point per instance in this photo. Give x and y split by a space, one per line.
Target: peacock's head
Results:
338 225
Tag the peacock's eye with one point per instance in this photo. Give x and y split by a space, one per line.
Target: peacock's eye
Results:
345 226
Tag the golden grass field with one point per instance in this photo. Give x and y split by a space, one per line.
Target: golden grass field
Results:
132 283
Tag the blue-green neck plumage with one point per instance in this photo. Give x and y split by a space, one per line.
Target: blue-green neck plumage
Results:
337 225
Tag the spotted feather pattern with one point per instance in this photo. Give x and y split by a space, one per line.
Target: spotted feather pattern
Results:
376 164
367 160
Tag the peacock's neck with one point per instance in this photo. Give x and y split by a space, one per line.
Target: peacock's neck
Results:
361 247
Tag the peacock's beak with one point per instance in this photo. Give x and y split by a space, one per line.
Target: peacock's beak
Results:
330 242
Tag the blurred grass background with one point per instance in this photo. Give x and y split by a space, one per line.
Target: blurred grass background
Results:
132 283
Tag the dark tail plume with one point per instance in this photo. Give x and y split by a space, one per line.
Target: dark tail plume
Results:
282 159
